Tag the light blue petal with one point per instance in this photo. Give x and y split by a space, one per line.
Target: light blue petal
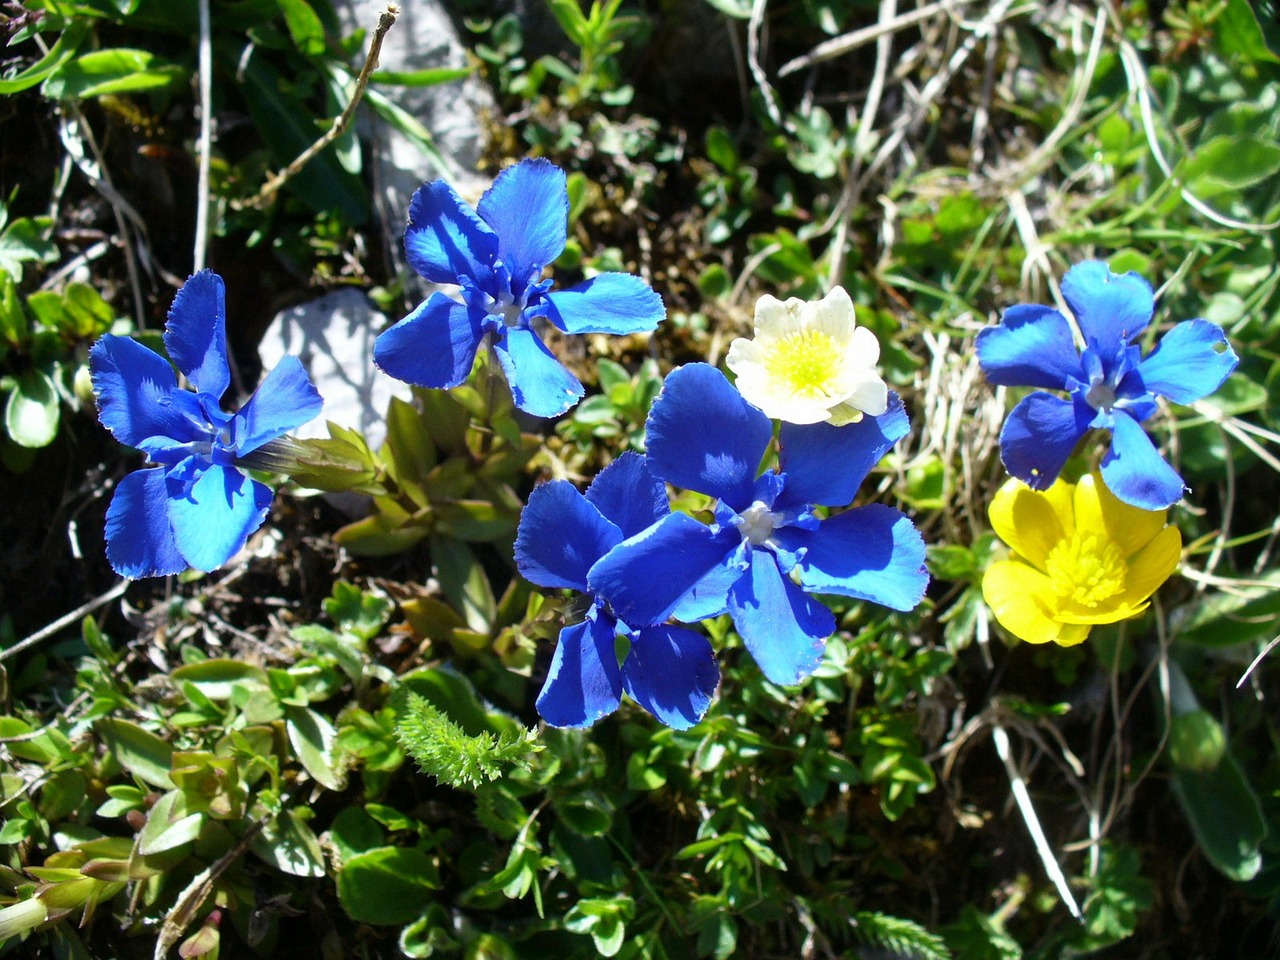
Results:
284 401
560 536
672 673
609 303
1190 362
1039 436
710 595
445 239
583 683
138 395
196 333
434 346
213 509
540 385
644 577
528 208
784 629
629 495
1134 470
1109 308
808 452
140 540
703 436
1031 347
873 553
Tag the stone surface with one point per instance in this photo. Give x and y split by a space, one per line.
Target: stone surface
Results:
334 338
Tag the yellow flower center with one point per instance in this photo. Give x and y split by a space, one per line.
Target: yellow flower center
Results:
805 361
1086 569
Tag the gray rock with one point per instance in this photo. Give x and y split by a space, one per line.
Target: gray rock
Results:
334 338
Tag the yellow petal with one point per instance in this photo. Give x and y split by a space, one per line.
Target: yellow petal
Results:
1011 589
1072 634
1111 613
1129 528
1032 522
1152 565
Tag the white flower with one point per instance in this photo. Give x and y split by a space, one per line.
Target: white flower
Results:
810 362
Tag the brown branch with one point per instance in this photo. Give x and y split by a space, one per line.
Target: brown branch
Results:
278 180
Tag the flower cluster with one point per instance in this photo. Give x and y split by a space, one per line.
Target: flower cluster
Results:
768 548
1080 557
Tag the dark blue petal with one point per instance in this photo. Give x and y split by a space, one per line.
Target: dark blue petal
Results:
213 510
610 303
1032 347
672 673
196 333
1134 470
1110 308
1190 362
710 595
445 239
1039 436
140 540
825 464
644 577
583 683
703 436
560 536
528 207
629 495
434 346
784 628
284 401
873 553
138 395
540 385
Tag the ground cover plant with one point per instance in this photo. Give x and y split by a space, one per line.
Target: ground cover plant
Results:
832 514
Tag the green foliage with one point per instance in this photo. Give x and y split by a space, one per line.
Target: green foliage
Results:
445 751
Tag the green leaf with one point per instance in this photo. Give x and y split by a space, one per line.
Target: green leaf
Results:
139 751
447 752
168 825
33 412
217 679
421 78
1230 163
313 736
739 9
110 73
25 240
291 846
304 26
357 612
1238 33
63 50
1225 816
387 886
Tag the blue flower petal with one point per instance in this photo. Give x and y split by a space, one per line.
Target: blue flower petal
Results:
644 577
540 385
213 509
138 395
808 452
1109 308
628 494
196 333
1134 470
784 628
1039 435
1031 347
709 597
609 303
672 673
583 683
873 553
560 536
528 208
140 541
1190 362
284 401
445 239
434 346
703 436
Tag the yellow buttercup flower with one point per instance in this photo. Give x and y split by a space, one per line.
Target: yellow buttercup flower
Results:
1080 557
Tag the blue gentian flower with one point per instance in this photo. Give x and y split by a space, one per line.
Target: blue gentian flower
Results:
768 547
1111 386
670 671
497 253
195 507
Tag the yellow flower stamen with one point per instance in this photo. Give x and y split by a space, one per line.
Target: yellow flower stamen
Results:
806 361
